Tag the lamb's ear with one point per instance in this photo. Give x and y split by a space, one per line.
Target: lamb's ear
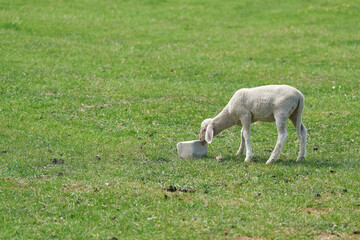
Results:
209 133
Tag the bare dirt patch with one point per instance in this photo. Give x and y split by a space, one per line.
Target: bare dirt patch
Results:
326 236
21 184
249 238
317 210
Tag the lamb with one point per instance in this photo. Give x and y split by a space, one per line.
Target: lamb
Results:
271 103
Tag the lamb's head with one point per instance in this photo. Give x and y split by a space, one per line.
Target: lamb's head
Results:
207 131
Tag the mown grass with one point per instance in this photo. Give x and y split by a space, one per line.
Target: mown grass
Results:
94 96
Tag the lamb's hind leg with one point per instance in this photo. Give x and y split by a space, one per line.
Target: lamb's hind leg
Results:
301 132
302 151
242 144
282 136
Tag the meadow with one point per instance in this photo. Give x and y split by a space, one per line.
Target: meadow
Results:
95 95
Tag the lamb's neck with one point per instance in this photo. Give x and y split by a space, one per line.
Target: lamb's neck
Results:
222 121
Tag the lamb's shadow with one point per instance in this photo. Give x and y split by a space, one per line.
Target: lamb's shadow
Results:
311 163
240 159
308 162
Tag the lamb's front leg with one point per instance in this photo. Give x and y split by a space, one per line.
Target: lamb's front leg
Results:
246 135
242 144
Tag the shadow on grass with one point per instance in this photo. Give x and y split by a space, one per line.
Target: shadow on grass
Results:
317 162
289 162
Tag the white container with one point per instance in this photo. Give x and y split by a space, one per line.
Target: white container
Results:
191 149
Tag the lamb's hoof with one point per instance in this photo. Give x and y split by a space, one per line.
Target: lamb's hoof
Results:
239 153
270 161
247 160
299 159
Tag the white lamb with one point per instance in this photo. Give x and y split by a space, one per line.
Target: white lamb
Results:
266 103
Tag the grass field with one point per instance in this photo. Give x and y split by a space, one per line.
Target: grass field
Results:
94 96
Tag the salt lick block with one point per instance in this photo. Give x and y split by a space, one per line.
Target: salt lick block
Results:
191 149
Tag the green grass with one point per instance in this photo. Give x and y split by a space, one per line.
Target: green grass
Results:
94 96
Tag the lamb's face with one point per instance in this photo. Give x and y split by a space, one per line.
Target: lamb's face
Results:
202 134
204 125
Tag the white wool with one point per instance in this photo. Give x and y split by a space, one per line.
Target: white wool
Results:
271 103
